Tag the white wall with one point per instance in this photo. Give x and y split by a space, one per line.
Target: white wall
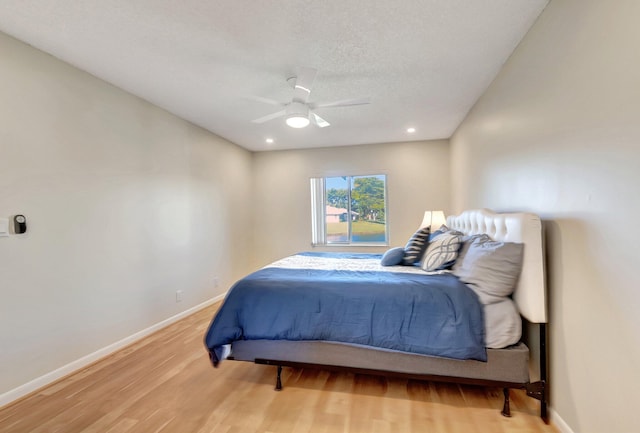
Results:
126 204
417 180
558 133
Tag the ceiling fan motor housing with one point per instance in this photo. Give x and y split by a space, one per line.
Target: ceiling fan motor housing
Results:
297 108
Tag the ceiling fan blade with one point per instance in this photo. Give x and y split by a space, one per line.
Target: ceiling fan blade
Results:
343 103
319 121
304 81
270 117
264 100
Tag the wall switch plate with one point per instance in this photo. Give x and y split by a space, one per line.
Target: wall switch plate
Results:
4 227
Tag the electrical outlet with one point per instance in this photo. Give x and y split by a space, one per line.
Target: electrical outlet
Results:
216 282
179 296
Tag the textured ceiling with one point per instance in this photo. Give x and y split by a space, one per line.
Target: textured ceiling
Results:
424 63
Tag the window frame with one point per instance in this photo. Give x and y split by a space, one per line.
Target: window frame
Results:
318 212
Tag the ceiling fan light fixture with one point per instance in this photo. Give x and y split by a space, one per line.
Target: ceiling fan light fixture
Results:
297 121
297 115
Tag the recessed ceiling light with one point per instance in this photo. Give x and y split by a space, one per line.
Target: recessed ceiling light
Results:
269 140
411 130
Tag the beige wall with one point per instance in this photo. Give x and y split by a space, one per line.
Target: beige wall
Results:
417 180
558 133
125 205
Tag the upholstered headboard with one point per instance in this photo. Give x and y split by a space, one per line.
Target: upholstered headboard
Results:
530 294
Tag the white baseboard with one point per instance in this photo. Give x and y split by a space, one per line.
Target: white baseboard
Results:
46 379
559 422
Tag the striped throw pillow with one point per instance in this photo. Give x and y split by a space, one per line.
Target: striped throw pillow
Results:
416 246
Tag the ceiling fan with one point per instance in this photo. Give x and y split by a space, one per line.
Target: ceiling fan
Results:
299 111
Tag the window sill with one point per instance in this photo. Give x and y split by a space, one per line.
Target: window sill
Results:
359 245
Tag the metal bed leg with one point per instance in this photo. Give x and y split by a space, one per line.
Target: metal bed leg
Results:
543 373
506 409
279 379
538 390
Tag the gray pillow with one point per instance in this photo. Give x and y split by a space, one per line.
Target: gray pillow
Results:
466 241
416 246
392 257
490 268
441 252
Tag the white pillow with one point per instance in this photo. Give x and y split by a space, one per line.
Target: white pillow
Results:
442 252
502 324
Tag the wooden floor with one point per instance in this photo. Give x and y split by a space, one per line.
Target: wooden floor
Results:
165 383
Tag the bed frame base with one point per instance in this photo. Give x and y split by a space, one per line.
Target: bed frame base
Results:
535 390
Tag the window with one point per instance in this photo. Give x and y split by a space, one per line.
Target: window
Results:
349 210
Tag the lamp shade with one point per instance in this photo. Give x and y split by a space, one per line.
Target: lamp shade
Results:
434 219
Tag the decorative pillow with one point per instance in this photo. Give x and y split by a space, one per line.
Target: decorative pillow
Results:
392 257
442 252
416 246
490 268
435 234
443 229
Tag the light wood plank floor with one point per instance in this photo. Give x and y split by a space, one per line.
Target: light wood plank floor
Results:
165 383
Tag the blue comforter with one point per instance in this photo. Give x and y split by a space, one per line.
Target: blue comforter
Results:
427 314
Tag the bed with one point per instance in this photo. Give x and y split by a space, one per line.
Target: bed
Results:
252 326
